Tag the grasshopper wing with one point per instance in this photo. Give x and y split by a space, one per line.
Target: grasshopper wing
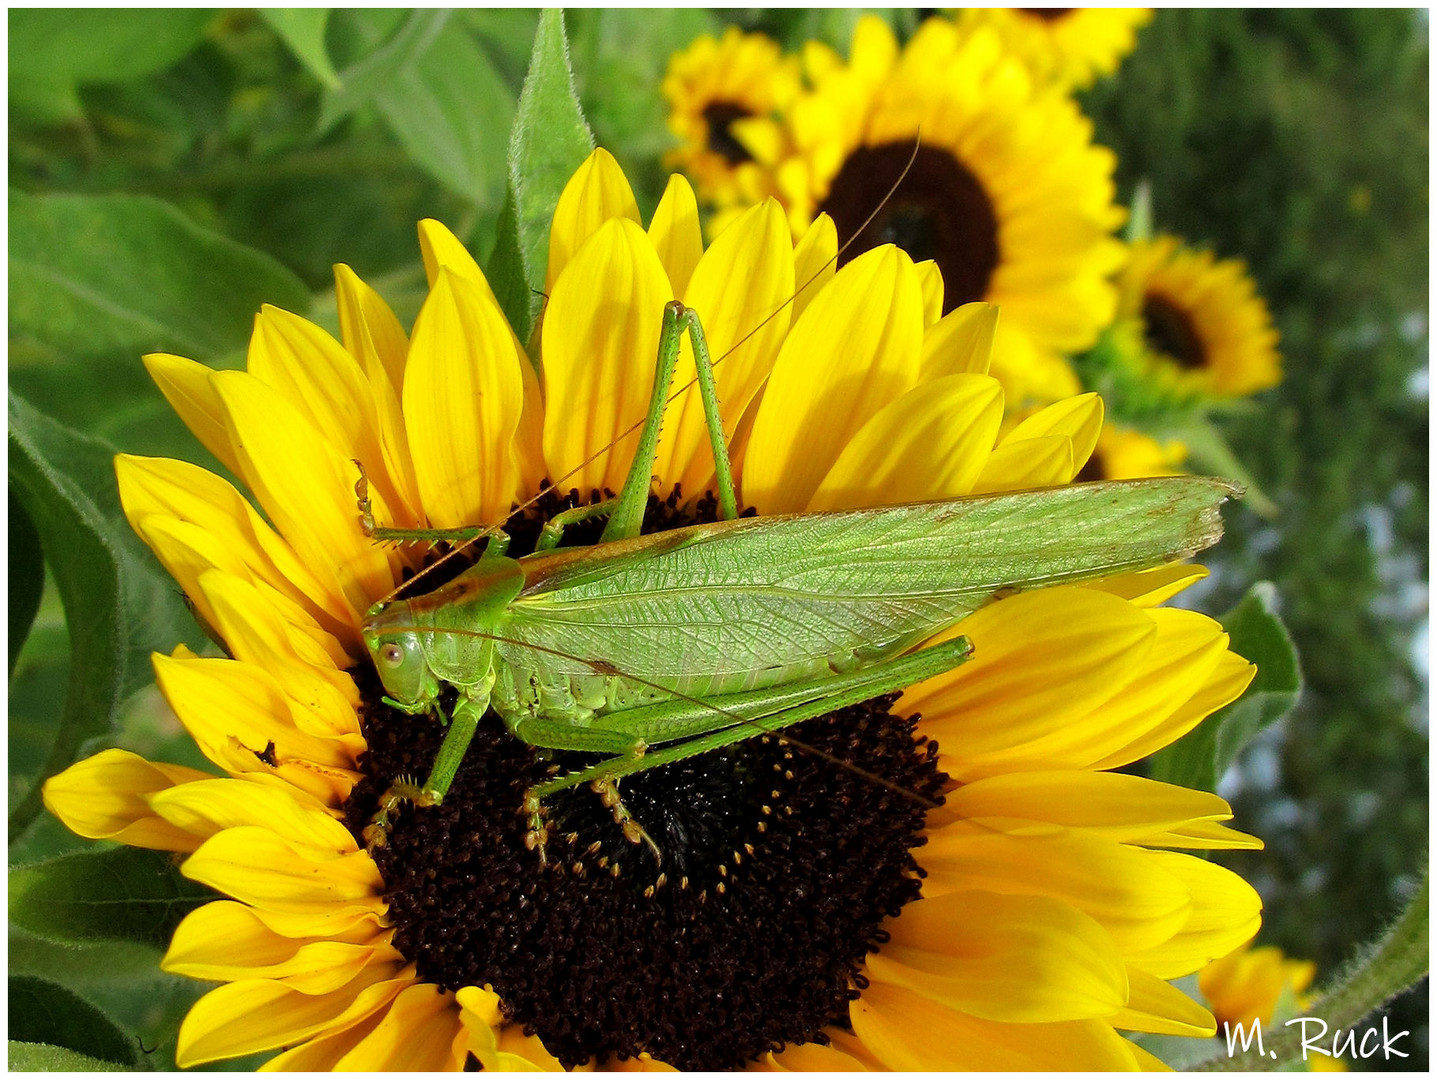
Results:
759 601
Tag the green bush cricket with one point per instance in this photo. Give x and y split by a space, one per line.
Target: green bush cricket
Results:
651 649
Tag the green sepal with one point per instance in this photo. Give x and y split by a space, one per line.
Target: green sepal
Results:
124 894
42 1057
1200 757
46 1013
549 140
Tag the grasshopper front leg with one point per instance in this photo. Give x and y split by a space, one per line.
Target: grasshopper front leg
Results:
468 711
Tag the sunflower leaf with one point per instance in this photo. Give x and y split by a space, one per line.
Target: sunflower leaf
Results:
302 29
1199 758
124 894
549 140
53 52
119 606
27 576
42 1057
451 109
45 1012
362 80
117 275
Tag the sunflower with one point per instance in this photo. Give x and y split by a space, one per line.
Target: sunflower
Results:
1068 47
1006 192
807 917
1202 327
724 96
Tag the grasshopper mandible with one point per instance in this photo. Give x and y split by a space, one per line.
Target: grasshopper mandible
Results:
655 648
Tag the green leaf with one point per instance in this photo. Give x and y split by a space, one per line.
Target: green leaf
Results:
1200 757
27 577
45 1012
41 1057
124 894
549 140
620 56
119 605
303 31
367 76
53 51
451 110
118 275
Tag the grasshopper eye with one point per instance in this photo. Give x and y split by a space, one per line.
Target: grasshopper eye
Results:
391 654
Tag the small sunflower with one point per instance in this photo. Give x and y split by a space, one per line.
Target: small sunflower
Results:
724 97
1067 47
1006 192
1024 923
1248 983
1204 330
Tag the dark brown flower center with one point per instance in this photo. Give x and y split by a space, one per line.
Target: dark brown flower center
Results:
776 868
1048 14
1169 330
940 211
720 115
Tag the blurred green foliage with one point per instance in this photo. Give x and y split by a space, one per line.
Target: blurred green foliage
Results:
1298 140
169 171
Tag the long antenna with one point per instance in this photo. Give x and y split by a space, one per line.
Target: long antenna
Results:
556 485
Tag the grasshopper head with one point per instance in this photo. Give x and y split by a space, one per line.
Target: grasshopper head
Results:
398 655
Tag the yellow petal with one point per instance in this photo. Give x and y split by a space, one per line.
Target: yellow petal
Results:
254 865
930 279
1229 678
597 193
463 396
960 342
1042 662
1079 418
815 261
744 328
1162 1009
600 342
374 337
260 1014
256 633
1149 588
1226 912
324 383
886 1019
1135 902
104 798
161 487
322 1052
1116 806
242 721
314 506
441 249
206 807
675 232
1046 461
226 942
810 1057
932 443
186 386
416 1035
1015 959
368 328
854 350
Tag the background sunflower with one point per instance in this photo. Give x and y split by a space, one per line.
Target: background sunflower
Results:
263 145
